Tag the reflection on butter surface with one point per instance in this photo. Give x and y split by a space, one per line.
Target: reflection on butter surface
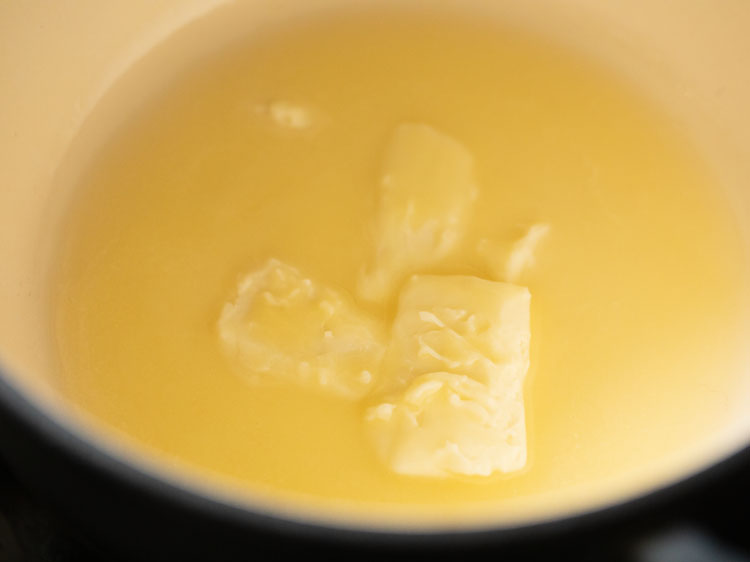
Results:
455 367
636 289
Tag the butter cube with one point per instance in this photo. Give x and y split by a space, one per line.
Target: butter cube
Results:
284 326
427 189
453 400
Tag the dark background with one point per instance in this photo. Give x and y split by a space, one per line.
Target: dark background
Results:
711 525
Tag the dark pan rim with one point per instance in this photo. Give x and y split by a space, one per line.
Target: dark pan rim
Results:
55 430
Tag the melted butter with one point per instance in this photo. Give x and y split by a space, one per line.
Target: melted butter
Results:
637 288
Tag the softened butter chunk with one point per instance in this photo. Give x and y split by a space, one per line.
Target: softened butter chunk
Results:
427 188
453 401
284 326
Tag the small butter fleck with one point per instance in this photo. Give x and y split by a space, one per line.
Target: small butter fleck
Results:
508 261
288 115
522 254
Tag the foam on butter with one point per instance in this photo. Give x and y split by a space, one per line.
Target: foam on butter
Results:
284 326
452 400
427 188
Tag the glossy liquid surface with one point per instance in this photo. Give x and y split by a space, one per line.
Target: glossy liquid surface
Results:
636 290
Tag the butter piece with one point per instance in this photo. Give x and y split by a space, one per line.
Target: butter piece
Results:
426 192
453 401
284 326
508 262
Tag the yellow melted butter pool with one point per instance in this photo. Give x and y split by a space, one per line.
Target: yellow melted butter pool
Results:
637 288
